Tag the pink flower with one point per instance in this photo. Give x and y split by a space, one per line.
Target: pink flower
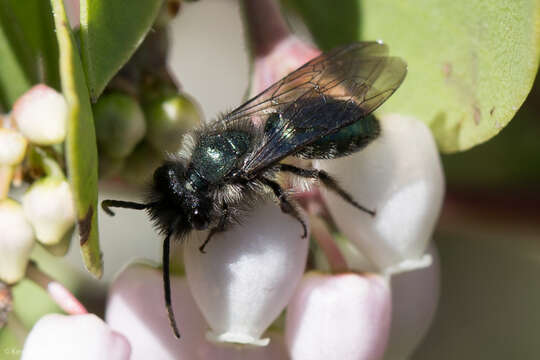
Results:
78 337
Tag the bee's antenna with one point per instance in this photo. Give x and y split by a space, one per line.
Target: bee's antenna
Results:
107 204
167 285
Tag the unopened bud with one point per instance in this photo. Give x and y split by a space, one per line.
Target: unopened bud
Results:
119 123
12 147
16 241
49 207
41 115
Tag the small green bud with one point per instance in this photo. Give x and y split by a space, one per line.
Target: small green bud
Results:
119 123
168 118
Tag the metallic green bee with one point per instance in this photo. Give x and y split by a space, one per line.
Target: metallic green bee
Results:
319 111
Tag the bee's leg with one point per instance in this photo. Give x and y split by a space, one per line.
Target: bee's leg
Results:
286 206
219 228
326 180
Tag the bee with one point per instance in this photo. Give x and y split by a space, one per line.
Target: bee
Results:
322 110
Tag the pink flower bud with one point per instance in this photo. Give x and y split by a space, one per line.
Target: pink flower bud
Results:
344 316
41 115
78 337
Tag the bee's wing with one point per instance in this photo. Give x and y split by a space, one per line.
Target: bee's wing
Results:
326 94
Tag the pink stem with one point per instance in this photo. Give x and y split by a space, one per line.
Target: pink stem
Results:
58 292
322 236
266 26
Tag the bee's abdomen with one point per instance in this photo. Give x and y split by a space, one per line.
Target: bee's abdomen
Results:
346 141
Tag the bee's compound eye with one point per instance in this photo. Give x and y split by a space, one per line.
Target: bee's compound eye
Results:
199 220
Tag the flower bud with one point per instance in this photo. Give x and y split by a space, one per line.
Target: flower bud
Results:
41 115
168 118
16 241
287 55
414 298
248 274
344 316
136 308
48 205
12 147
119 123
399 176
80 337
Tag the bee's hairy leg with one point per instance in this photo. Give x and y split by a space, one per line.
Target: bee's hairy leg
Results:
286 206
219 228
326 180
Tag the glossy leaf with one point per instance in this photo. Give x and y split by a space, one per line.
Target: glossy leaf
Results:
111 31
17 72
81 148
471 63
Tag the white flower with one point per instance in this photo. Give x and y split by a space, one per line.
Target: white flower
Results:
399 176
336 317
12 147
414 297
248 274
16 241
48 205
136 309
81 337
41 115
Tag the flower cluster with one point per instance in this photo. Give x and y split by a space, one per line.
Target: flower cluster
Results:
365 288
29 139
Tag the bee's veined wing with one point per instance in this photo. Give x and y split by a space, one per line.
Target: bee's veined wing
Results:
324 95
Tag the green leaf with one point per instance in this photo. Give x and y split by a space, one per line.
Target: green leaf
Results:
37 25
471 63
111 31
18 71
81 148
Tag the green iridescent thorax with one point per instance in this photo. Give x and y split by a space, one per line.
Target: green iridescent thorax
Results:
216 155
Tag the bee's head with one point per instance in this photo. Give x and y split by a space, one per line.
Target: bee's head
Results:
177 200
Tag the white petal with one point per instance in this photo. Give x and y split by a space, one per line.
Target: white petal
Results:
78 337
339 317
414 295
400 176
248 274
16 241
48 205
12 147
275 350
41 115
136 308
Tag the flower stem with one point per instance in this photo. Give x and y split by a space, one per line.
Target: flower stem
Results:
324 239
58 292
265 24
6 174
